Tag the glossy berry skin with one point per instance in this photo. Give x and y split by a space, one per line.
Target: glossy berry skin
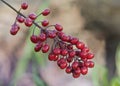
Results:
83 55
32 16
52 57
69 59
75 75
75 65
72 53
58 27
85 49
24 5
45 23
20 19
91 64
90 56
42 37
15 28
45 48
63 65
46 12
80 45
68 70
64 38
70 46
77 70
28 22
38 46
84 70
34 39
56 51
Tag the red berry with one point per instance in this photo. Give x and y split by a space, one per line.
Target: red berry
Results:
64 37
34 38
80 45
38 46
83 55
42 37
84 70
76 75
74 40
45 23
68 70
64 52
90 56
75 65
28 22
52 57
24 5
51 34
45 48
32 16
20 19
56 51
85 49
72 53
91 64
15 28
58 27
63 65
46 12
77 70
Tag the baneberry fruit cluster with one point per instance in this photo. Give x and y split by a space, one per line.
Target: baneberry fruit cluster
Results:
69 52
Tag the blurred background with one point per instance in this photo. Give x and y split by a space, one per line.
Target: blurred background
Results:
95 22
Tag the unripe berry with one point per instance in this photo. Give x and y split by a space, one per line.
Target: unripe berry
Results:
46 12
58 27
20 19
24 5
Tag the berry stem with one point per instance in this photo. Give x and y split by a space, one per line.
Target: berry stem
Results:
20 13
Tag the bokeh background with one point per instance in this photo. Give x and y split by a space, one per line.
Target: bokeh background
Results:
95 22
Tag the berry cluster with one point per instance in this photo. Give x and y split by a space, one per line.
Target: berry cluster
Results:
70 53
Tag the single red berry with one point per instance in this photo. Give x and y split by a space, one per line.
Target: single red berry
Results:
68 70
42 37
15 28
72 53
51 34
34 38
90 56
74 40
63 65
56 51
80 45
38 46
83 55
58 27
64 52
61 60
45 48
28 22
91 64
84 70
64 37
45 23
20 19
52 57
87 63
46 12
32 16
75 65
76 75
24 5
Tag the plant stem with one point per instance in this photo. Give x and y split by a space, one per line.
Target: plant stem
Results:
6 3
